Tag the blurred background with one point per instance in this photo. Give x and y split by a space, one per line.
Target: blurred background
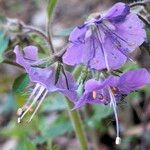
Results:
51 128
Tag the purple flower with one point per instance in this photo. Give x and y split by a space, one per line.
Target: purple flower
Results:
111 90
44 80
106 41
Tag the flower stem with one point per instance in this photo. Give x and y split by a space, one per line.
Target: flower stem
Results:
141 3
77 124
49 36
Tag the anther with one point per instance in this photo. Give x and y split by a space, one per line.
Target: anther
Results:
94 94
113 89
19 112
118 140
19 120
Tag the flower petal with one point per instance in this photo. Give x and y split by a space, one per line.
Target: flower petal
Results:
78 53
132 31
111 81
133 80
114 57
91 85
31 53
77 34
20 58
45 76
67 86
118 12
81 102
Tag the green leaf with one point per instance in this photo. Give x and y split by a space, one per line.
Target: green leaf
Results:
129 66
25 144
55 102
134 96
51 4
58 70
55 130
100 112
77 71
3 44
20 83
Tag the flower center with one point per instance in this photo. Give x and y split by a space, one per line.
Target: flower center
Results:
98 95
94 94
114 89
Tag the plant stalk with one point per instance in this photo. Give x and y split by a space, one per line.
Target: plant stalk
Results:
78 127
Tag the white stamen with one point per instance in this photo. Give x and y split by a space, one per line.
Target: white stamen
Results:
106 61
118 140
19 112
88 33
113 103
40 102
19 120
105 54
31 96
109 25
34 101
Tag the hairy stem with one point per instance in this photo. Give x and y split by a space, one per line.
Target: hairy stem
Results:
141 3
40 33
37 31
144 20
77 124
12 63
49 36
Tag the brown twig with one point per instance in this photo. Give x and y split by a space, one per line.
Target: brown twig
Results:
12 63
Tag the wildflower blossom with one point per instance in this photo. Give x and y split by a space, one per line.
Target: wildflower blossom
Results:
44 80
111 90
106 41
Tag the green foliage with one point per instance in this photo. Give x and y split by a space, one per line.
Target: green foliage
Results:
51 4
134 96
55 102
3 44
25 144
56 129
99 112
20 83
129 66
77 71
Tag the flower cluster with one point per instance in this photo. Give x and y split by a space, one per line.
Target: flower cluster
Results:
103 43
44 79
106 41
111 90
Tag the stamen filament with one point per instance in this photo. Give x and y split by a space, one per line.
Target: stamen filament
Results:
40 102
34 101
31 96
113 102
101 45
